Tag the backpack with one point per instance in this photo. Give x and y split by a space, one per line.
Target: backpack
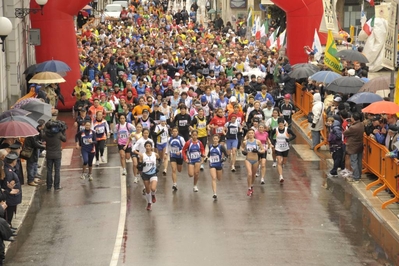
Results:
26 152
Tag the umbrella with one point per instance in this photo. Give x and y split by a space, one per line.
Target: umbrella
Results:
301 72
309 65
24 119
325 76
13 112
365 97
378 85
47 77
53 66
87 7
31 70
346 85
39 110
17 129
383 107
352 55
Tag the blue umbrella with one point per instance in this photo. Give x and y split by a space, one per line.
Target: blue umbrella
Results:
365 97
52 66
325 76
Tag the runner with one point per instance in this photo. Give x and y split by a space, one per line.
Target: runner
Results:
216 159
175 146
271 126
283 136
217 125
148 167
121 136
232 131
199 123
192 151
262 135
133 138
100 126
86 142
250 148
162 133
182 121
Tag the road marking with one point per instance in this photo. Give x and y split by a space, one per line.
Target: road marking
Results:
94 168
121 225
66 157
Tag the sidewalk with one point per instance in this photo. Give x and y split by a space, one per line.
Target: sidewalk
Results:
381 226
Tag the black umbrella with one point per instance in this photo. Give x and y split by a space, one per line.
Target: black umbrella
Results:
303 71
346 85
31 70
352 55
13 112
365 97
309 65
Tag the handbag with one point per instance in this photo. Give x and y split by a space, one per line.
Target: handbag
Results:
310 117
26 152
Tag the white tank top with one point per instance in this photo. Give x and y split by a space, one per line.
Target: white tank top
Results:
281 143
150 164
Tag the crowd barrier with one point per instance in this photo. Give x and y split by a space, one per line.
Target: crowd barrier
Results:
386 169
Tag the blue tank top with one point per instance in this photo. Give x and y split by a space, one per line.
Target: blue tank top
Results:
194 152
215 156
251 146
176 145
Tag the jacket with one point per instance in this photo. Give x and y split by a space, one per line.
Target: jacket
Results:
12 200
33 143
354 135
335 136
317 111
53 143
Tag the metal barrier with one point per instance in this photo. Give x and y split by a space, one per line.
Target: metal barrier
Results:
386 169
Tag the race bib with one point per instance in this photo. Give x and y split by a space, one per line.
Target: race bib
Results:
239 120
251 147
195 155
182 123
286 112
214 159
100 130
174 150
233 131
219 130
283 145
201 126
86 141
150 164
123 136
81 128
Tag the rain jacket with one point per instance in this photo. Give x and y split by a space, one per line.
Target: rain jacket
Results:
53 143
354 135
317 111
335 136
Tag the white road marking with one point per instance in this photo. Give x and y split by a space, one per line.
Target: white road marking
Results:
66 157
121 225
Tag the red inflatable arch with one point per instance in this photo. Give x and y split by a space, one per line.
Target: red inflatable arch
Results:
58 40
303 16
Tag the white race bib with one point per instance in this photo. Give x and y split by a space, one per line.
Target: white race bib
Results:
214 159
195 155
219 130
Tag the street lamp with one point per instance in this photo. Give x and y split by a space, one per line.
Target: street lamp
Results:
5 29
23 12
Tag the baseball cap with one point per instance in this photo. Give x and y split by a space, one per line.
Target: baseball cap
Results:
337 99
203 99
287 96
233 99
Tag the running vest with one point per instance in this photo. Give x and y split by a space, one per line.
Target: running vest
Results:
163 138
232 130
215 156
281 140
201 127
194 152
175 146
100 129
251 145
123 132
145 124
150 167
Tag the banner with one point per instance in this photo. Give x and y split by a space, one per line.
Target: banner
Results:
329 19
329 57
389 51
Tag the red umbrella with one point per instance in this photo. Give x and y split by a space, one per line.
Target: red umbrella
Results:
17 129
382 107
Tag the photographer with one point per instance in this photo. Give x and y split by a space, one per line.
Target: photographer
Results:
54 133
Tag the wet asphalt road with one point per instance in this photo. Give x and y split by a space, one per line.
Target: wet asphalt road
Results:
298 223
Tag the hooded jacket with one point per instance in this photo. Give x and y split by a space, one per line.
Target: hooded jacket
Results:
53 143
317 111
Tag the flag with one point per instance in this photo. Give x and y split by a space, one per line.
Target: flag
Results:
371 2
266 25
263 30
272 38
317 48
280 41
368 26
256 26
249 18
331 50
363 17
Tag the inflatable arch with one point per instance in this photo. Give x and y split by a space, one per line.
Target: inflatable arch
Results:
58 40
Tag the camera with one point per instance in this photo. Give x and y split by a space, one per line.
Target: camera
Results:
56 126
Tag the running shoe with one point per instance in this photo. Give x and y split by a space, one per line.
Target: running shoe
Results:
233 169
344 171
97 162
202 167
164 172
257 175
102 159
174 187
149 207
124 171
274 164
262 181
281 179
136 180
347 174
90 177
215 197
195 189
249 192
154 199
331 175
83 176
144 191
252 189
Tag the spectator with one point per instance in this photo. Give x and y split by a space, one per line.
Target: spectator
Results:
35 145
335 143
317 120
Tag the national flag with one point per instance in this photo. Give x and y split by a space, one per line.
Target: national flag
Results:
330 59
371 2
256 26
363 17
272 38
249 18
317 48
368 26
280 41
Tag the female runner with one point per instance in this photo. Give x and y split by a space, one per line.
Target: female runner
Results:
133 138
262 135
271 125
232 130
148 167
175 146
283 136
193 151
100 126
162 133
216 159
86 141
199 123
250 148
121 136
